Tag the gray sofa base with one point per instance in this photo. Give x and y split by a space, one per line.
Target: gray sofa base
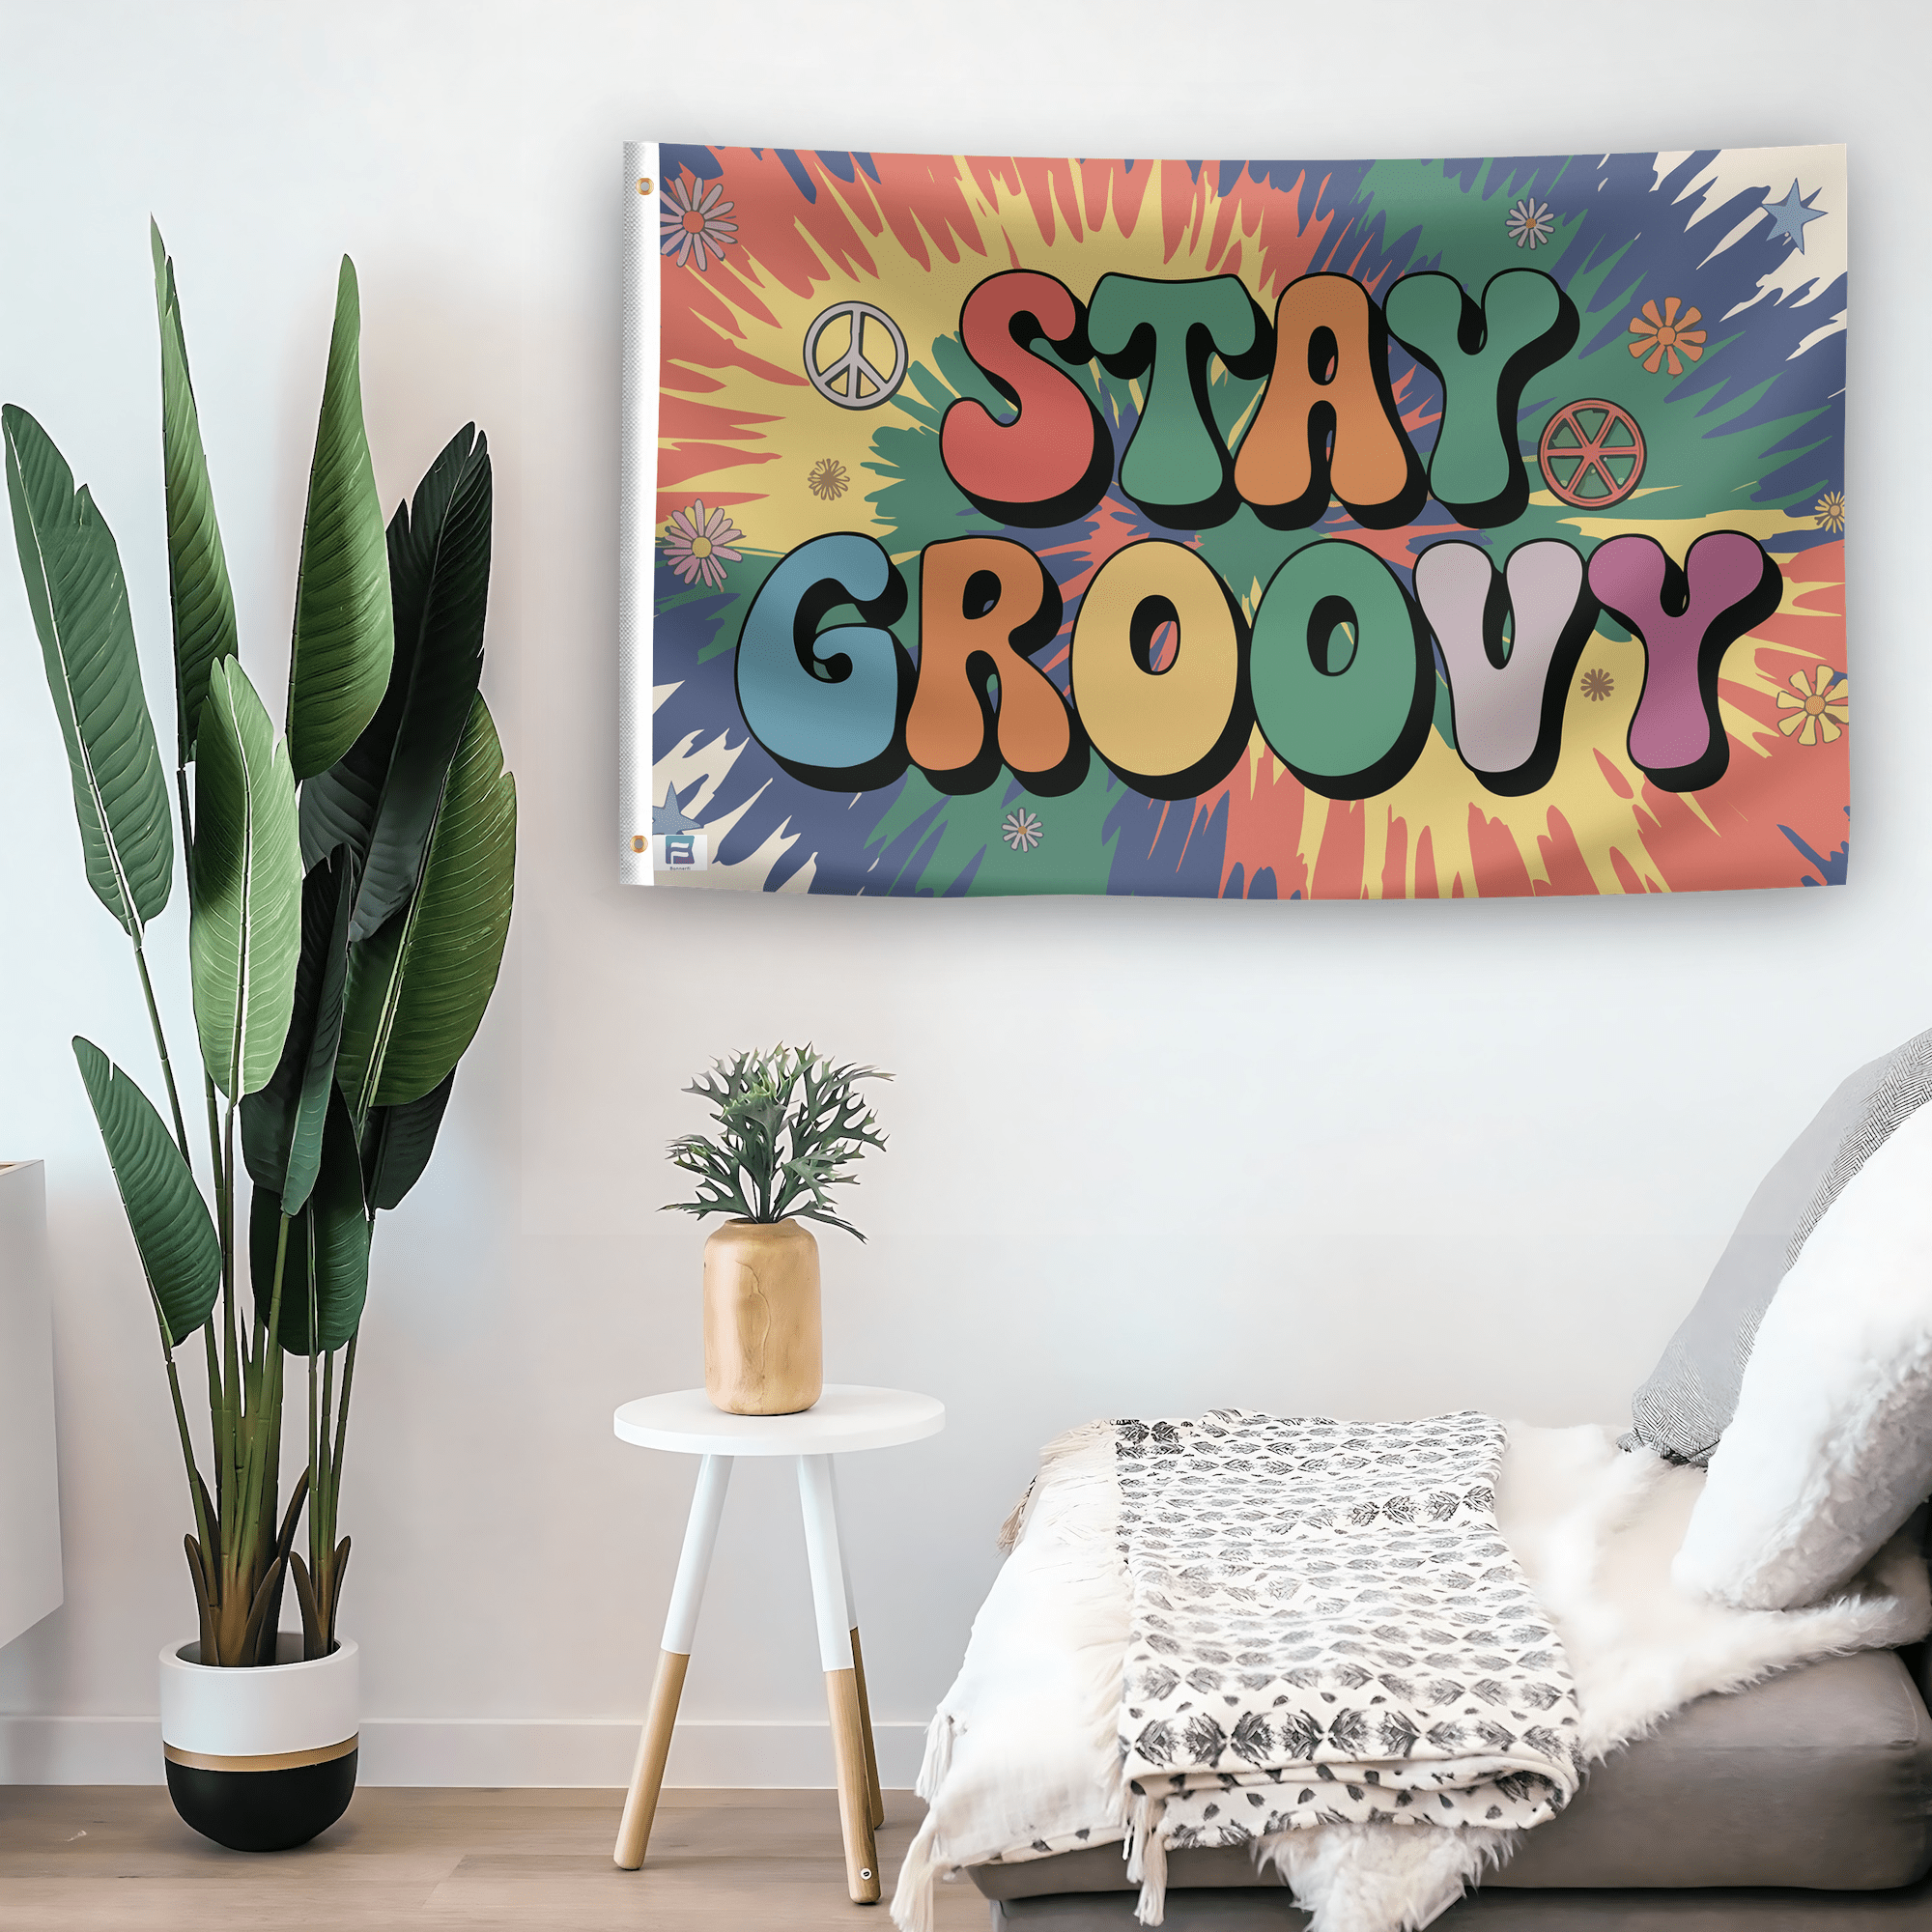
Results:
1802 1804
1252 1908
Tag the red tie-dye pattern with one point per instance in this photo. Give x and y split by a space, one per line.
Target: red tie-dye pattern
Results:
1500 871
1338 865
1395 859
1565 868
1424 866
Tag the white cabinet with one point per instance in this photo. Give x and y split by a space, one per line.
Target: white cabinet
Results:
30 1551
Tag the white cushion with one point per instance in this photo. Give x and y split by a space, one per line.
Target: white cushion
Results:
1830 1448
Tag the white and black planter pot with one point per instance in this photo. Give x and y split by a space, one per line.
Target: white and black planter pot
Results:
260 1760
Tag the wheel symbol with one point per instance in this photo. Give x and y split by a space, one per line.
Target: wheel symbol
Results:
865 385
1591 454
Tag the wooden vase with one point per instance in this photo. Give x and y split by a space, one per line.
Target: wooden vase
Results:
764 1349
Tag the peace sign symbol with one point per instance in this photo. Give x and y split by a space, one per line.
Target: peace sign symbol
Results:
867 386
1591 454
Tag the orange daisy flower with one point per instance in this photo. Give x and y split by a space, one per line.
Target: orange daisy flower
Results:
1664 335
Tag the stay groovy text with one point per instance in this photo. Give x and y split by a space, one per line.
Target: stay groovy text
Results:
1337 668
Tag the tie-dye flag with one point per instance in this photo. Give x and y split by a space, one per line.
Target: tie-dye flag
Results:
1267 529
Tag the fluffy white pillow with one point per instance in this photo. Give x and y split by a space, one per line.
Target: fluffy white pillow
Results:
1830 1448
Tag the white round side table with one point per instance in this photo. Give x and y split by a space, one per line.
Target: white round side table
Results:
843 1419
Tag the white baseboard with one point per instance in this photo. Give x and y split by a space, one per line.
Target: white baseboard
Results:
480 1752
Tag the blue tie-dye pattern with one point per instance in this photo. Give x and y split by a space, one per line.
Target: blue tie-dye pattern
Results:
1261 888
673 156
1183 860
794 167
1832 870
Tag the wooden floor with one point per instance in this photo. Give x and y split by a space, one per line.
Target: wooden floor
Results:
88 1858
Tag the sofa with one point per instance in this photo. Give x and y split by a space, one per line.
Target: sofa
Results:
1800 1805
1803 1803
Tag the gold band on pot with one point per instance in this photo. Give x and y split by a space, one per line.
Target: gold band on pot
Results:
267 1761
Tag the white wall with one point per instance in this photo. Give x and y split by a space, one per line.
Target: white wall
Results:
1373 1159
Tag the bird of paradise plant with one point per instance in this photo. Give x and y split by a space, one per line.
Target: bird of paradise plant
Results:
349 896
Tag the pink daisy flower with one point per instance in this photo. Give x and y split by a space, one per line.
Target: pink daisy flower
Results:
692 225
697 544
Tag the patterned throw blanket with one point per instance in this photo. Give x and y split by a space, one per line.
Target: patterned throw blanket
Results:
1024 1756
1328 1627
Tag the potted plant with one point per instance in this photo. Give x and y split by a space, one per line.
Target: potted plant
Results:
790 1127
349 896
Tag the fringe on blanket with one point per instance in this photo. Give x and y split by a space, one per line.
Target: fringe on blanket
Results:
1061 1459
1147 1857
1352 1878
912 1901
1009 1530
938 1758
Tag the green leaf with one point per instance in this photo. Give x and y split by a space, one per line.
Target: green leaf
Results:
79 601
281 1124
245 887
791 1127
397 1144
345 635
180 1253
380 797
418 988
198 590
325 1266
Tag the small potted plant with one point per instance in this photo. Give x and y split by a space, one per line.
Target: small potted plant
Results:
790 1127
348 888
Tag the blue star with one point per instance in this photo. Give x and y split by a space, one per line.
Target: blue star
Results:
669 815
1789 215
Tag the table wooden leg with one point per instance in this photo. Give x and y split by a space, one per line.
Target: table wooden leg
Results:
841 1685
874 1795
640 1802
855 1807
877 1797
694 1564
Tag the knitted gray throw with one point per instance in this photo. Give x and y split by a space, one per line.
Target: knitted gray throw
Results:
1328 1627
